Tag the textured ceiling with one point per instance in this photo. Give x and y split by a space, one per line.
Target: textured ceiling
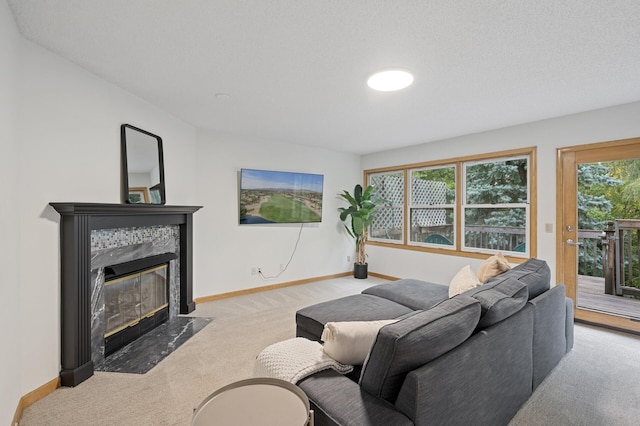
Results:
295 70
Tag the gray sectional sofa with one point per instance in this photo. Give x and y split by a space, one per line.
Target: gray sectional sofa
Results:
474 358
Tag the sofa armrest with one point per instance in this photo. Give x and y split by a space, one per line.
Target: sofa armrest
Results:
569 323
484 381
550 331
337 400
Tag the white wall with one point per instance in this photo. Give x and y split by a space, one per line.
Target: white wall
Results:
225 251
68 129
10 289
60 139
613 123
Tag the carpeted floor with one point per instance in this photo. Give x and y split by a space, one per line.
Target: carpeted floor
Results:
597 383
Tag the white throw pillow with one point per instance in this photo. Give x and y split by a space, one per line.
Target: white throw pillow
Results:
464 280
349 342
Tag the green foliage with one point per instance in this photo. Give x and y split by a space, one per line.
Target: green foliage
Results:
497 182
606 191
281 208
361 212
626 197
594 184
442 174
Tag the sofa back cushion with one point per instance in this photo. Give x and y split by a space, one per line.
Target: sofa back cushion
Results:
534 273
409 343
499 300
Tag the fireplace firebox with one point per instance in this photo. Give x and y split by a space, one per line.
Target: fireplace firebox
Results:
136 299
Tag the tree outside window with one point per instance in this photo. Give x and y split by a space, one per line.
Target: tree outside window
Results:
496 200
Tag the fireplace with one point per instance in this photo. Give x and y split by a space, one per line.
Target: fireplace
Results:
136 299
85 266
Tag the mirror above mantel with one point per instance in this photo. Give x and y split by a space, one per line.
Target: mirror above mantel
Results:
142 166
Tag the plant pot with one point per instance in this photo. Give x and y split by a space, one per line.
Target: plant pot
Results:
360 270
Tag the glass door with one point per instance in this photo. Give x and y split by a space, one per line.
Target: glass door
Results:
598 199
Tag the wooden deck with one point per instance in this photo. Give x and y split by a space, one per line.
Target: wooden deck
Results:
591 296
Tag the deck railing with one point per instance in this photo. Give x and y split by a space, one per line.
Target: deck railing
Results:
505 238
612 254
622 257
627 257
591 252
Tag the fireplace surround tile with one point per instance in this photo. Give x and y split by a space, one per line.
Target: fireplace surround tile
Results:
120 245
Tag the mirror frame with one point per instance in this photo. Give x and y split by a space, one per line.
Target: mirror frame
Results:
125 161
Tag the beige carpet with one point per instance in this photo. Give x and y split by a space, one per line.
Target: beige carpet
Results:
222 353
597 383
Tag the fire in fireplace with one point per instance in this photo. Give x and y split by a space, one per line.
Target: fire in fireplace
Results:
136 299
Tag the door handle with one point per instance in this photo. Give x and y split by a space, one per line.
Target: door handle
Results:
570 242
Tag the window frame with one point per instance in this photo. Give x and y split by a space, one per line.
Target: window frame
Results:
529 153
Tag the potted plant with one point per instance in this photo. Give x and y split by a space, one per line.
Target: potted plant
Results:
361 211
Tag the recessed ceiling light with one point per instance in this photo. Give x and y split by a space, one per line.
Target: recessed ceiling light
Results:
390 80
223 96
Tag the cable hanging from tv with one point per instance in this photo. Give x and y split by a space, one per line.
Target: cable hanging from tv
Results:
265 277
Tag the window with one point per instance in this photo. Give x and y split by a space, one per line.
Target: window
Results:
468 206
388 223
496 204
432 206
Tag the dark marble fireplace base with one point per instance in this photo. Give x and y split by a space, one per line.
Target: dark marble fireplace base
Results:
146 352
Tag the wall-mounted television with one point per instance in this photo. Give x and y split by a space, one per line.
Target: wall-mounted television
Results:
280 197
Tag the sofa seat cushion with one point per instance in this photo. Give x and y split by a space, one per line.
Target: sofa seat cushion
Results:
357 307
338 401
415 340
415 294
499 300
534 273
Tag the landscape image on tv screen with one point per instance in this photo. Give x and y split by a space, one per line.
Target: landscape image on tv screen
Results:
280 197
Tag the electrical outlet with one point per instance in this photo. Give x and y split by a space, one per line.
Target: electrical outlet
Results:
254 270
348 258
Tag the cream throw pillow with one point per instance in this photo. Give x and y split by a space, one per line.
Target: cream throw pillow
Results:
493 266
349 342
464 280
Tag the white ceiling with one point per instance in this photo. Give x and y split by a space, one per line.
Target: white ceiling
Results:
295 70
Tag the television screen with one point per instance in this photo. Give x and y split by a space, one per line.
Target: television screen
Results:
280 197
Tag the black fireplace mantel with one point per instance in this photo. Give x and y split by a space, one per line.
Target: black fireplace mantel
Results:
76 223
